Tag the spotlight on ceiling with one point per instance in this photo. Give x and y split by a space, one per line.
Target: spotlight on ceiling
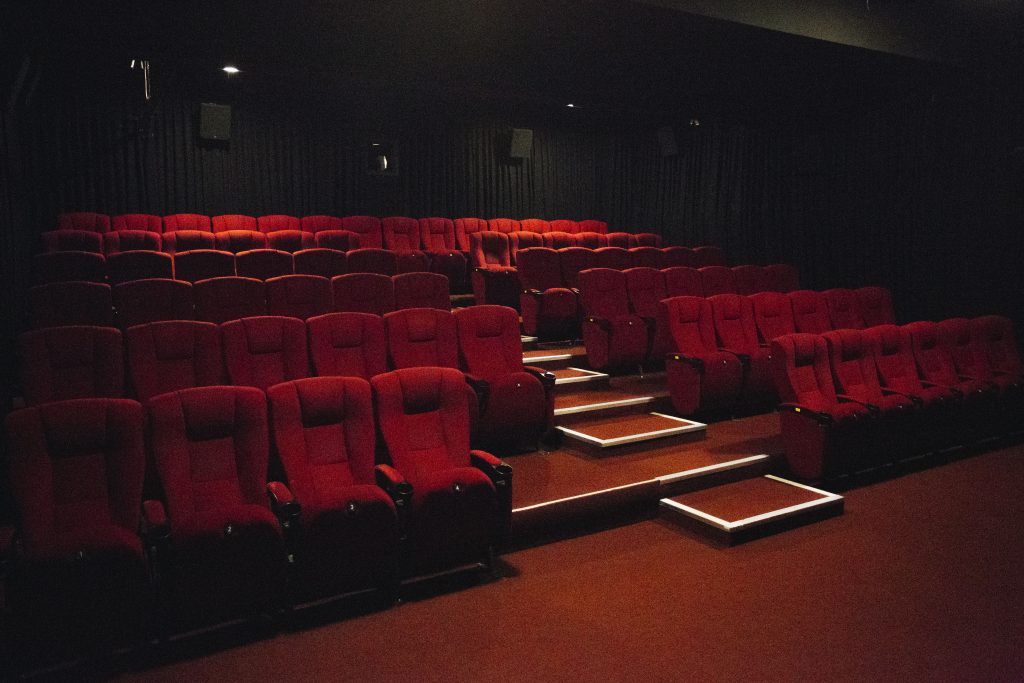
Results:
571 105
232 70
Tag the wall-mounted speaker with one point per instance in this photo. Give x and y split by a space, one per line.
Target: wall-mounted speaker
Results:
667 141
214 121
522 143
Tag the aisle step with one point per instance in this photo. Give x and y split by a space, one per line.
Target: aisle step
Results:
573 377
618 430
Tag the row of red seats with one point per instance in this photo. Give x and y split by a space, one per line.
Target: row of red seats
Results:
220 299
100 566
514 402
858 399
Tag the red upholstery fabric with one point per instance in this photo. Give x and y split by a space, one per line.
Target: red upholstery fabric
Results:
220 299
614 337
319 223
540 226
202 264
523 240
437 235
278 223
145 222
126 266
324 432
592 225
843 310
71 303
363 293
970 356
875 306
709 256
590 240
550 310
619 239
717 280
519 410
412 262
66 266
210 446
995 334
700 376
368 229
646 257
379 261
678 256
265 350
573 260
84 220
298 296
237 241
144 301
559 240
232 222
421 290
810 312
187 240
737 333
505 225
855 373
749 279
76 472
401 233
646 289
781 277
291 240
615 258
644 239
490 249
562 225
493 278
342 240
323 262
72 240
263 264
131 240
174 354
424 421
348 344
187 221
80 361
683 281
773 315
464 227
422 337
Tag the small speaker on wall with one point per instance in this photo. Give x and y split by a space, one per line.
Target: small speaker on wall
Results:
522 143
214 121
667 141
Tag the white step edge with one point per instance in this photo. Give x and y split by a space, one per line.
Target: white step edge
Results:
710 469
604 405
588 376
533 360
527 339
685 427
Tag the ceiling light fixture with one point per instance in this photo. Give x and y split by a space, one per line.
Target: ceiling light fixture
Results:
232 70
571 105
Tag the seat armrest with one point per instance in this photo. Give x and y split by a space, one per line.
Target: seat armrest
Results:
915 399
500 473
156 526
744 357
695 363
603 323
546 378
872 408
535 293
482 389
395 485
818 416
283 503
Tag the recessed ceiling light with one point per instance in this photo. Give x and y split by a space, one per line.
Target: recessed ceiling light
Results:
571 105
230 69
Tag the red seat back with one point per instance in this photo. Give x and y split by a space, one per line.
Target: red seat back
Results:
489 341
893 354
265 350
734 323
220 299
422 290
174 354
505 225
536 225
71 303
187 221
81 361
67 266
237 241
143 301
363 293
678 256
683 281
853 365
401 233
372 260
717 280
750 279
800 369
464 227
843 310
604 293
291 240
688 324
995 333
810 312
298 296
138 265
187 240
773 315
73 240
367 227
875 306
315 224
277 223
263 264
563 225
234 221
488 249
615 258
323 262
932 354
131 240
573 260
348 344
202 264
422 337
437 235
646 288
84 220
137 221
540 269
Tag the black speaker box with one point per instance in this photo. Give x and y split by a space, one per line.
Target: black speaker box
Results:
214 121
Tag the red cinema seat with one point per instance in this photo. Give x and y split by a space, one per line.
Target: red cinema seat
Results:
843 309
935 365
970 357
368 230
438 238
78 585
773 315
683 281
875 306
464 227
323 262
84 220
341 240
145 301
187 221
277 223
422 337
78 361
422 290
265 350
72 240
563 225
538 226
550 309
347 531
717 280
618 239
644 239
824 437
71 303
237 241
263 264
678 256
590 240
614 336
372 260
700 375
750 279
709 256
68 266
402 236
571 262
615 258
810 312
646 257
518 241
187 240
203 264
559 240
736 332
234 222
131 240
505 225
320 223
219 299
493 278
291 240
348 344
455 504
995 334
517 401
781 277
173 354
137 222
592 225
363 293
126 266
646 289
298 296
226 557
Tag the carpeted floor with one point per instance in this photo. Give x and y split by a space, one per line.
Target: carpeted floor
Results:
920 580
